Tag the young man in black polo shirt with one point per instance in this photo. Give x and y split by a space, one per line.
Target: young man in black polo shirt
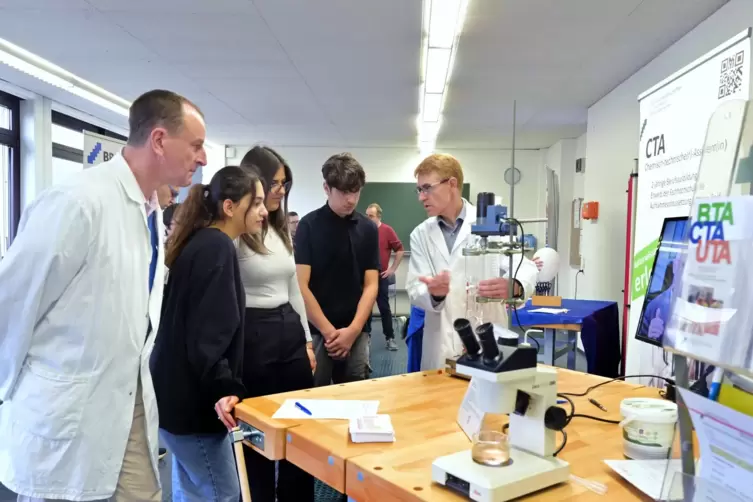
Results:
337 261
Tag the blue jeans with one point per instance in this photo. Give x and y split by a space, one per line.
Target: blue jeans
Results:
203 467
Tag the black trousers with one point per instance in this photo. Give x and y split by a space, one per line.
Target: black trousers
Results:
385 312
275 360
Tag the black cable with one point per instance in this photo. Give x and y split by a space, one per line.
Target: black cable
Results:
588 390
559 449
576 284
572 407
522 244
598 419
572 413
515 275
562 446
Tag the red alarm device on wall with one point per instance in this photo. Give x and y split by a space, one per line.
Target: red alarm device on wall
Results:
590 210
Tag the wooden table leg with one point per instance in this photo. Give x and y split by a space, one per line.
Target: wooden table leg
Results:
550 340
240 461
572 340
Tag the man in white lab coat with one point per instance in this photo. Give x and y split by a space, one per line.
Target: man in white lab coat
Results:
79 310
436 279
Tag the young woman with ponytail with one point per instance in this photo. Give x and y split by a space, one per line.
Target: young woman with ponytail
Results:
198 353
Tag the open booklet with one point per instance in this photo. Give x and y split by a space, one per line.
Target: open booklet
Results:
712 302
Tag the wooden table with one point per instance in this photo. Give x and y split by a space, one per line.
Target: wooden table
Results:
423 407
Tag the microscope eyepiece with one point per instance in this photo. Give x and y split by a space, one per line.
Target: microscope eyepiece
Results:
489 346
465 332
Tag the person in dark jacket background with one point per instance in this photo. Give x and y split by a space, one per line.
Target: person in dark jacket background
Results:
198 354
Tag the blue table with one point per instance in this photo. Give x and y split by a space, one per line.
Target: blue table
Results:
598 324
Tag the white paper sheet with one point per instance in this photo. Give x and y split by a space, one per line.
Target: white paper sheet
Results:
323 409
646 475
725 438
547 310
470 417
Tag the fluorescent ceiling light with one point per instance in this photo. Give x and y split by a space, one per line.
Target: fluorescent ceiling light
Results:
432 107
428 131
437 66
443 22
99 100
27 62
426 148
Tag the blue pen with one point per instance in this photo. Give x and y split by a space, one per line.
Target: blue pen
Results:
303 408
716 383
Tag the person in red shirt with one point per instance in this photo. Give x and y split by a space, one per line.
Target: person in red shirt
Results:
388 242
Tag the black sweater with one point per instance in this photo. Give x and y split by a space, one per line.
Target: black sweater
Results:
198 352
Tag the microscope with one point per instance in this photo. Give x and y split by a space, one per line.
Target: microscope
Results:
508 381
505 379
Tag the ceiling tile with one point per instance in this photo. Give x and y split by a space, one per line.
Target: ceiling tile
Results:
172 7
328 72
45 5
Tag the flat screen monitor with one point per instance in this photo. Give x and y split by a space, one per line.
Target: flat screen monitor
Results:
656 305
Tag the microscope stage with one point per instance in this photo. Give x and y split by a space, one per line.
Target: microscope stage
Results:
526 474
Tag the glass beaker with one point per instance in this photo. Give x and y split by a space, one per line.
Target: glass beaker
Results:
491 448
492 262
473 256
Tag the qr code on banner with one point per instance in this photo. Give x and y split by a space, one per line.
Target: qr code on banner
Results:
731 76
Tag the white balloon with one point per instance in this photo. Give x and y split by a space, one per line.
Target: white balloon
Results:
551 264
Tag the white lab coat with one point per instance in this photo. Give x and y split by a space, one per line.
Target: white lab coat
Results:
429 257
74 312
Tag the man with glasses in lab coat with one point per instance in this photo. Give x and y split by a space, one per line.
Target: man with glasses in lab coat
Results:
79 308
436 274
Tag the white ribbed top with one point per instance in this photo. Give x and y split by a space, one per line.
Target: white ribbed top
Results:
270 279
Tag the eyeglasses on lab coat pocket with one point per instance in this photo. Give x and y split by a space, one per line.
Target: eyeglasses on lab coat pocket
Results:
48 405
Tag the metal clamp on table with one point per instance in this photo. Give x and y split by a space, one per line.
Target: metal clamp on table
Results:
248 433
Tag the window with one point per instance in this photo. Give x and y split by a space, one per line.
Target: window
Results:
68 144
10 170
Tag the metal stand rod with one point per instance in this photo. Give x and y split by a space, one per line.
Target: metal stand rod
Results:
683 416
510 272
532 220
685 425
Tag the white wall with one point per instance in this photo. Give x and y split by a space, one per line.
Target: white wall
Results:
483 169
215 161
580 178
613 134
560 157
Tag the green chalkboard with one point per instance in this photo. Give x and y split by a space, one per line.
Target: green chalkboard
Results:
401 208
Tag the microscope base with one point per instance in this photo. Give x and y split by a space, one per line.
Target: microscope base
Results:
526 474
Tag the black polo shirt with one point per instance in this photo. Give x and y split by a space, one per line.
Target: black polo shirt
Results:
339 251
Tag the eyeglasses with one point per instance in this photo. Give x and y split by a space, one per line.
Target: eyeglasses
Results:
427 188
276 186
